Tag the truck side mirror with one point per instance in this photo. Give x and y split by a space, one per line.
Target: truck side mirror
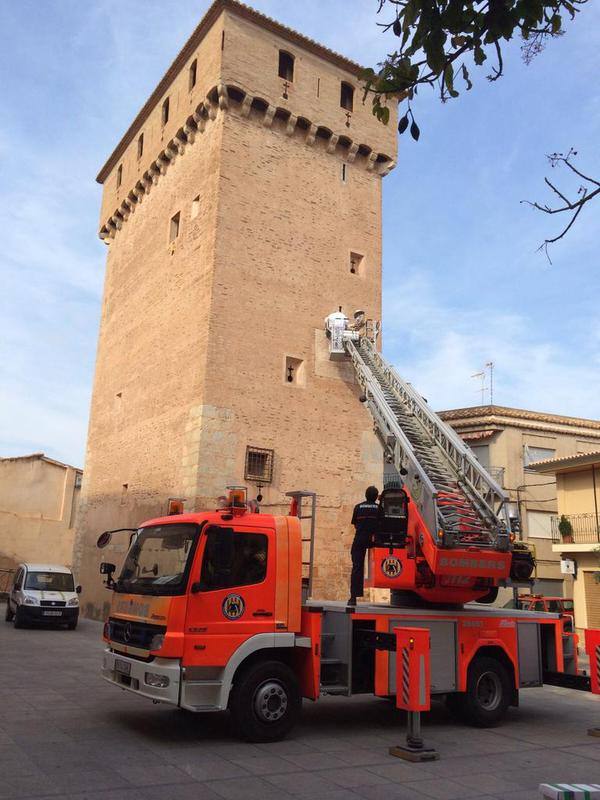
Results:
106 568
104 539
78 589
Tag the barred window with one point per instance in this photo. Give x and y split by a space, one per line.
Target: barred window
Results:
259 465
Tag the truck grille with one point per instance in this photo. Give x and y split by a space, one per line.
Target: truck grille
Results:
134 634
53 603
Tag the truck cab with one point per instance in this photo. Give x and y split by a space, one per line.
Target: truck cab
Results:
197 597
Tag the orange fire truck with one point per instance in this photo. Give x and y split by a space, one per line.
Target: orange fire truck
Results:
214 610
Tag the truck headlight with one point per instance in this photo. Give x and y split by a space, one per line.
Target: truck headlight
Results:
156 680
30 600
157 641
74 601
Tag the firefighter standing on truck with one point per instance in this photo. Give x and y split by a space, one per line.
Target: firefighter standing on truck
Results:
365 518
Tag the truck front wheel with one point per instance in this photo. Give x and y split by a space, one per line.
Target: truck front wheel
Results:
488 694
265 702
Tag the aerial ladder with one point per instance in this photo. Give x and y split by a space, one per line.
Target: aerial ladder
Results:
458 545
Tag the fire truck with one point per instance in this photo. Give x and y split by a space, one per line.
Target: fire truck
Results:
215 610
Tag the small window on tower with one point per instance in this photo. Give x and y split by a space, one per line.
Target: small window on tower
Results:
356 263
195 207
192 74
286 66
294 371
347 96
259 465
140 150
174 227
165 112
119 175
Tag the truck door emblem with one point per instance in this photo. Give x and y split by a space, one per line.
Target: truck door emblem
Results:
127 632
233 606
391 567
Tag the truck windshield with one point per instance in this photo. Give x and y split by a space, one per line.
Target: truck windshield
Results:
159 560
50 581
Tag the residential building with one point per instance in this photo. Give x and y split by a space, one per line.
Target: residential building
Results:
576 528
241 207
38 503
507 441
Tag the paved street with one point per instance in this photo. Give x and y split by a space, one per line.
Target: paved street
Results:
65 733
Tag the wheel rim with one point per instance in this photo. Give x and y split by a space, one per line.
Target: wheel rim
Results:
488 691
270 701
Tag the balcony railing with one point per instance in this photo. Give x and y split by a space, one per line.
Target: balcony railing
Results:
497 474
586 529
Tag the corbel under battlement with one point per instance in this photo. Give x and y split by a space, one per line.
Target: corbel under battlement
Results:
228 98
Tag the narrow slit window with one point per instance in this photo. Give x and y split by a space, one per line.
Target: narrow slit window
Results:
318 87
347 96
356 263
165 111
192 74
195 207
286 66
140 148
119 175
294 371
344 173
174 226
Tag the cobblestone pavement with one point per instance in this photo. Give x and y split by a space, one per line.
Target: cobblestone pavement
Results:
64 733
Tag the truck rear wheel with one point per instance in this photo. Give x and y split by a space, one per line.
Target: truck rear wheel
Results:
265 702
488 694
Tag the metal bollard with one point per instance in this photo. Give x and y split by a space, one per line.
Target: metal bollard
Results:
413 690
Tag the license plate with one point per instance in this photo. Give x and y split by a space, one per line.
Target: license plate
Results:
52 613
124 667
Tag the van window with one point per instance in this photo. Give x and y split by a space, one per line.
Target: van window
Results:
248 562
50 581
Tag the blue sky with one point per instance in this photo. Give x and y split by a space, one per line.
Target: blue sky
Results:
463 283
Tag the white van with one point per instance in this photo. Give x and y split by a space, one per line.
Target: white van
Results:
43 593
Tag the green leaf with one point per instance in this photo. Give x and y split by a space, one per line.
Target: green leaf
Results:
449 78
403 124
556 23
479 55
384 115
414 131
397 27
467 80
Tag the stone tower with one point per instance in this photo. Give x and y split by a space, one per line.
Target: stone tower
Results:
242 206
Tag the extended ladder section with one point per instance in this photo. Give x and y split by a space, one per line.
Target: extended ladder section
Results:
308 541
459 501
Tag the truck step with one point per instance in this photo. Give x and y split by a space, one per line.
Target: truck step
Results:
335 688
325 661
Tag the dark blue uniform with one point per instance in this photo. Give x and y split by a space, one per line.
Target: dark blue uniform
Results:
365 519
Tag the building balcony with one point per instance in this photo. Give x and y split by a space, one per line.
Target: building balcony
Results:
585 535
497 473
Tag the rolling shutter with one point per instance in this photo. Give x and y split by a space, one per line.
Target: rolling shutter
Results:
592 600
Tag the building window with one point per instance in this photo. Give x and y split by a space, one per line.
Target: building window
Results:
347 96
482 454
174 226
124 490
318 87
259 465
119 175
286 66
533 454
165 112
195 207
539 525
78 479
192 74
356 263
344 173
140 149
294 371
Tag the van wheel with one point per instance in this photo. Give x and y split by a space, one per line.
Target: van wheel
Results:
488 694
265 702
9 614
18 618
